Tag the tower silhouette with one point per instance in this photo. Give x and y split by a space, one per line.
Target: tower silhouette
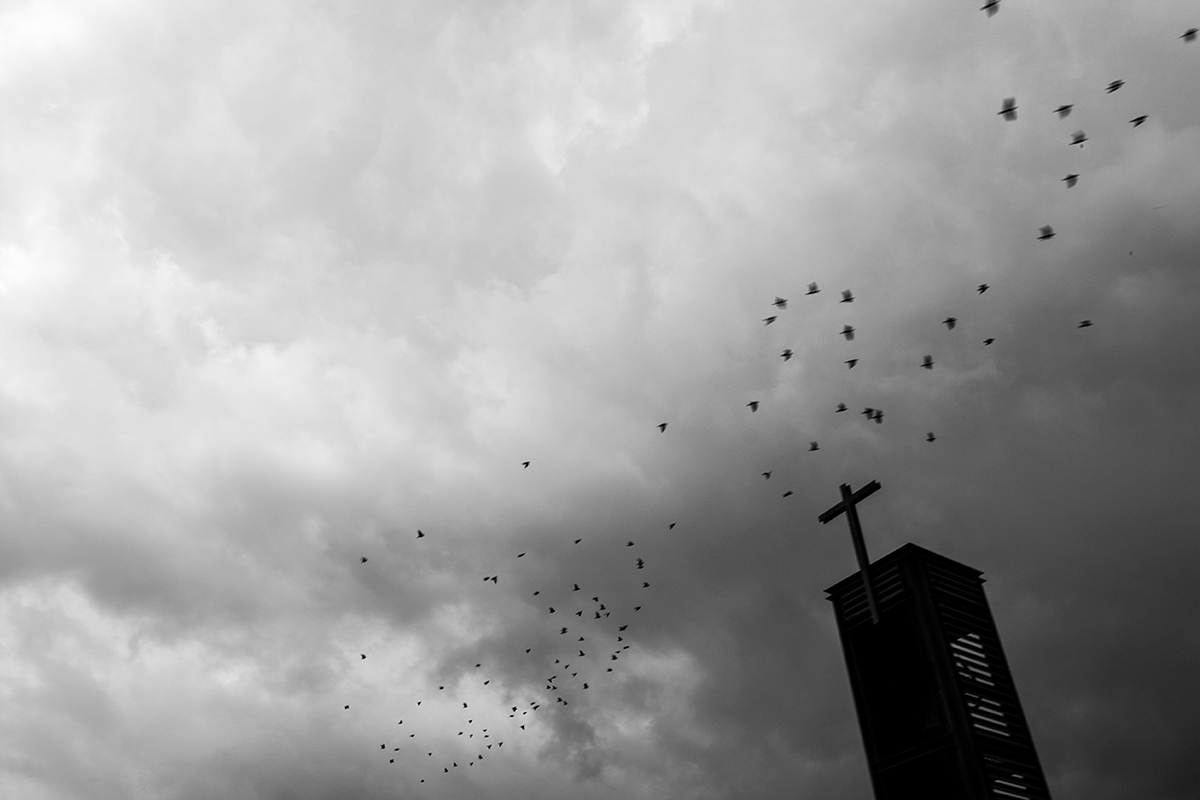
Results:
936 703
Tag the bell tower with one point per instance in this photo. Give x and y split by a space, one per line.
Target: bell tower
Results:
936 702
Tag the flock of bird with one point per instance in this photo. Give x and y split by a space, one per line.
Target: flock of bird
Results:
590 634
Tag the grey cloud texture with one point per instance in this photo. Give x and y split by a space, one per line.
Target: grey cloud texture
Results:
281 284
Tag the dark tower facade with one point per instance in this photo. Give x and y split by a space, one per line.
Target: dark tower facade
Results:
936 702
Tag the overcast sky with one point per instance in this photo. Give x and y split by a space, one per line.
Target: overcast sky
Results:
282 283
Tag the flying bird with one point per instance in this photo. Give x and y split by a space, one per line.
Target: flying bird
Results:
525 464
986 342
878 417
868 412
928 362
767 475
752 405
780 303
991 7
812 446
929 437
786 355
420 534
629 544
1086 323
1071 179
363 560
576 589
520 555
672 525
1112 87
662 427
950 322
577 541
1078 138
1139 120
788 493
769 320
1008 109
850 362
1046 232
848 332
1064 111
812 289
840 408
847 296
983 287
362 656
1190 34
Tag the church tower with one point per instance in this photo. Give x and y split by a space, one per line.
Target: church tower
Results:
936 702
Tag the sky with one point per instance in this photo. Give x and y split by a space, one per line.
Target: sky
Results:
284 283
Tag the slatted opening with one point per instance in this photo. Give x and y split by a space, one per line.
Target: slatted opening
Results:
1007 778
888 586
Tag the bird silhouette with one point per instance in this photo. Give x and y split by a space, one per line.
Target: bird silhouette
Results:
752 405
991 7
983 287
1190 34
363 559
629 544
1064 111
878 417
929 437
986 342
847 296
850 362
812 289
767 475
672 525
780 303
927 363
848 332
868 412
786 355
813 446
840 408
950 322
1046 232
1139 120
525 464
1008 109
576 589
1112 87
577 541
1086 323
420 534
1071 179
362 656
769 320
520 555
788 493
1078 138
662 427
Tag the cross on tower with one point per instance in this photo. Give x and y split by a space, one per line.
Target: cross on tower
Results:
849 500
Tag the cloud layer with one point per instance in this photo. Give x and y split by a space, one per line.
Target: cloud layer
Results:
282 284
